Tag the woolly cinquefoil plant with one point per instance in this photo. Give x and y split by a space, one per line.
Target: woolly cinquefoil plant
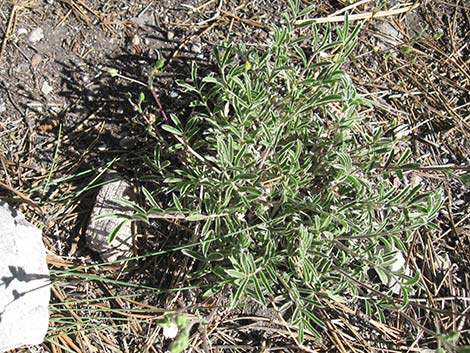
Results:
293 197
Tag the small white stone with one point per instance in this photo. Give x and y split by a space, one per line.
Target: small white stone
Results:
196 48
170 35
46 88
21 31
136 41
170 330
36 35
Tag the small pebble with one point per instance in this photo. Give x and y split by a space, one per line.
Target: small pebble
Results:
46 88
170 35
196 48
136 40
22 31
36 59
36 35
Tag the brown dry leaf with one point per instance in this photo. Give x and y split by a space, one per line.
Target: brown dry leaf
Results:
45 127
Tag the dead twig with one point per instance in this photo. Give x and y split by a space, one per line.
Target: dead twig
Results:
11 21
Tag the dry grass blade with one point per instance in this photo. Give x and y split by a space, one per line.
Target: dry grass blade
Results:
62 298
23 197
80 8
67 342
244 20
358 17
79 11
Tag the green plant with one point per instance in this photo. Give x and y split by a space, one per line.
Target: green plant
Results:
448 343
177 327
293 197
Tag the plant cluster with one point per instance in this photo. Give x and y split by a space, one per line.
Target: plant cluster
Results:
294 199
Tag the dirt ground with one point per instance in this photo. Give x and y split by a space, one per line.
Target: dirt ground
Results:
63 119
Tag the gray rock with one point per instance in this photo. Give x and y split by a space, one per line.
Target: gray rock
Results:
145 19
99 229
388 34
24 282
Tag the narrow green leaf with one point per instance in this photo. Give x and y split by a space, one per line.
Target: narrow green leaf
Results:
235 274
115 230
329 99
172 130
196 217
413 280
194 254
130 204
258 290
239 292
150 198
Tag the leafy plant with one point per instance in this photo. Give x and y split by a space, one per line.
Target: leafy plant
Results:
294 198
177 328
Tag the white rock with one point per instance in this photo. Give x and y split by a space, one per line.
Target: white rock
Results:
36 35
99 229
46 88
24 282
196 48
21 31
